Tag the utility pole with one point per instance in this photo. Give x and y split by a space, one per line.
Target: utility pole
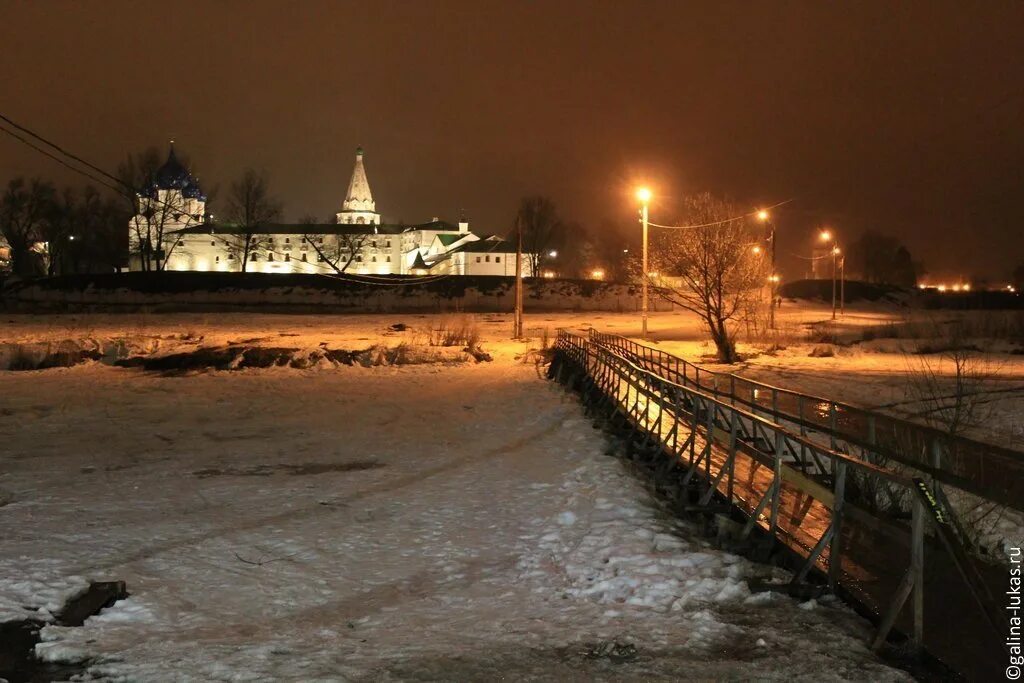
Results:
517 324
842 285
644 195
835 255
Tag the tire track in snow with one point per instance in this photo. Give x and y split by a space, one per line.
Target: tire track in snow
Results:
315 510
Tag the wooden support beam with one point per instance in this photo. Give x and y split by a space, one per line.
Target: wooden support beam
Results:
893 611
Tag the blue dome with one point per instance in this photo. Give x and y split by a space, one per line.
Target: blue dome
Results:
174 176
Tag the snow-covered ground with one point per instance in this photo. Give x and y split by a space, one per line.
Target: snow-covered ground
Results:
438 522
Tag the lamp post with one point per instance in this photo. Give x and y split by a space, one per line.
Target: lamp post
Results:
764 217
827 237
842 284
644 195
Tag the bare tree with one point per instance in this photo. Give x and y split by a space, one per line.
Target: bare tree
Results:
25 209
541 228
952 392
711 270
250 205
57 231
341 251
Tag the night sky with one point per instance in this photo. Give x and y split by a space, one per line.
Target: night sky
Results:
906 117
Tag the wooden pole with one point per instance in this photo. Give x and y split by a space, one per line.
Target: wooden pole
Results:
517 331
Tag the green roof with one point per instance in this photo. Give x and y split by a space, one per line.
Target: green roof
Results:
449 240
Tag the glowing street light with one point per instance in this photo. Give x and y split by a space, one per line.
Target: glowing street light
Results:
827 236
763 216
643 195
756 249
553 253
597 274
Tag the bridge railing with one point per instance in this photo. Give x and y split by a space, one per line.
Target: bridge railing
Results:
744 459
984 470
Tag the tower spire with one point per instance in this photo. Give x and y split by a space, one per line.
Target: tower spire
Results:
358 206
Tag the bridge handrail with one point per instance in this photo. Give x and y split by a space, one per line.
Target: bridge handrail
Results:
928 446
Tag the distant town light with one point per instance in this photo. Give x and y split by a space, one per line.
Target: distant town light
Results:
756 249
652 274
942 288
549 273
835 250
967 287
597 274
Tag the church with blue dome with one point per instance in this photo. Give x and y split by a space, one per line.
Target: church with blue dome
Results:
172 230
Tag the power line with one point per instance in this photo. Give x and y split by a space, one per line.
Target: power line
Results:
722 222
60 161
61 150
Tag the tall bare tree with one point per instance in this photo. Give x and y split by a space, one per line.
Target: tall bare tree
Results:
25 209
711 270
249 206
541 229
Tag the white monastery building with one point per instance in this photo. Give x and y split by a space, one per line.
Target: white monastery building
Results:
172 213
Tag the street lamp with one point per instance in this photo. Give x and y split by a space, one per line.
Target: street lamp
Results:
764 217
643 194
827 236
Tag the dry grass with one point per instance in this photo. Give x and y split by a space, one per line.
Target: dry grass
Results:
455 331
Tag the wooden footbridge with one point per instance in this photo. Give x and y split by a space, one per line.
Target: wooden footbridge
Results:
856 500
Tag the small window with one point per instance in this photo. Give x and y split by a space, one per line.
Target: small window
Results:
388 243
359 259
303 258
270 257
487 258
389 259
373 243
287 257
181 243
374 259
216 260
287 240
254 258
213 244
497 259
478 259
231 257
303 240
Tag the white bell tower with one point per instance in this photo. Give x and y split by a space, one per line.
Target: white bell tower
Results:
359 206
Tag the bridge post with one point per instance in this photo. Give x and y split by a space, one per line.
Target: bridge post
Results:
835 558
776 485
917 567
